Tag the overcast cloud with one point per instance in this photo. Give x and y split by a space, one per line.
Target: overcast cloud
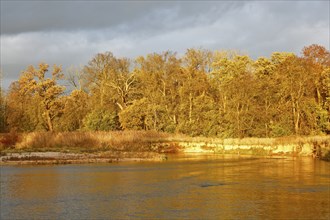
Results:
72 32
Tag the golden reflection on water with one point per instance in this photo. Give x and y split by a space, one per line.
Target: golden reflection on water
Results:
23 185
193 187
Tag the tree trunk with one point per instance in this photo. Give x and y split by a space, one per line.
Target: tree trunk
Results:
119 105
238 121
296 127
49 121
155 120
319 98
297 120
190 107
296 116
102 95
224 104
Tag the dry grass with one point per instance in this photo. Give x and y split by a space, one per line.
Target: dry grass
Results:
319 140
92 141
137 141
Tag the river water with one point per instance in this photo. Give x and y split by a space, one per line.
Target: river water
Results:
183 187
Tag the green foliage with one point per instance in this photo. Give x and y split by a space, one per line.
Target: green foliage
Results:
75 109
279 130
204 118
134 117
101 120
323 121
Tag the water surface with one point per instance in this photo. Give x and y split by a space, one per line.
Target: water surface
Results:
184 187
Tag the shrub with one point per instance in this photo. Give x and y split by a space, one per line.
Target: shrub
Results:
9 139
134 116
101 120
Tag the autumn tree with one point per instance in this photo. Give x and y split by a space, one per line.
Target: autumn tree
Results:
295 97
110 80
77 102
196 65
205 116
77 78
318 60
273 118
111 86
44 94
76 107
235 84
3 106
22 110
158 80
265 86
223 94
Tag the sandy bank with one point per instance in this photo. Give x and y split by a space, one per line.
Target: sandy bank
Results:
301 149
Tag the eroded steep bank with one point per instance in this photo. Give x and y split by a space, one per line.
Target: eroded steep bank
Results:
318 150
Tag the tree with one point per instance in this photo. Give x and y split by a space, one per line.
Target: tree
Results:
196 66
3 106
45 93
22 110
296 92
158 80
110 80
233 80
222 94
76 107
205 118
318 60
77 78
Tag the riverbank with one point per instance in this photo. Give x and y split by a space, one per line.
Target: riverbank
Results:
107 147
35 158
306 149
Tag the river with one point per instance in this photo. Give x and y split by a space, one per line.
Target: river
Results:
183 187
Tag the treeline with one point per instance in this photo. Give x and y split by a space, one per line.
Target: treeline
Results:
204 93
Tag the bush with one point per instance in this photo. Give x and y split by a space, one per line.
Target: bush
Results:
134 116
101 120
9 140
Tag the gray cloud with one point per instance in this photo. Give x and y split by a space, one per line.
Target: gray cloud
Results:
27 16
71 33
30 16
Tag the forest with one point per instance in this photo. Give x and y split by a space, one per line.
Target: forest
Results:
222 94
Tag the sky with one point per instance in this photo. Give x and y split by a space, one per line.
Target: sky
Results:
70 33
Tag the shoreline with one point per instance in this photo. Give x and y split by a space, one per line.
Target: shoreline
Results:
48 158
61 158
53 158
108 147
